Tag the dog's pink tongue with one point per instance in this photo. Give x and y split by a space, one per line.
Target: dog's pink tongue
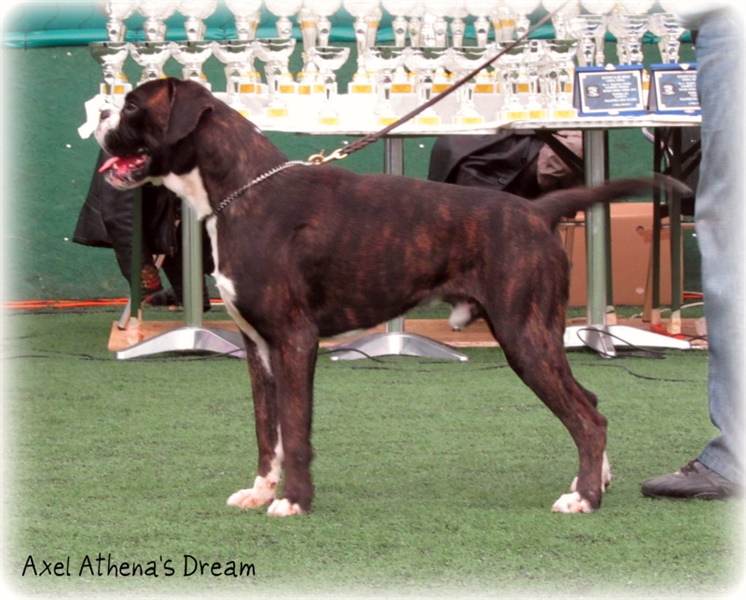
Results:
108 164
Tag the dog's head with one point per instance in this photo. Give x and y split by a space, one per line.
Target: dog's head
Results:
146 138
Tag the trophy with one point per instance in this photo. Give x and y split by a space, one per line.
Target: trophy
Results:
399 9
521 9
247 15
434 30
461 61
532 58
414 25
666 27
635 7
590 31
565 11
329 59
156 12
275 53
384 61
284 9
503 23
457 11
367 15
153 53
111 56
558 77
323 9
117 11
481 9
425 62
196 11
629 30
151 56
240 77
192 55
598 7
513 78
308 78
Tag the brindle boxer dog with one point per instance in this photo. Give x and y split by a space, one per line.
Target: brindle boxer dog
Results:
304 252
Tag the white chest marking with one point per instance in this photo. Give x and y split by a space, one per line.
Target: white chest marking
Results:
192 189
227 291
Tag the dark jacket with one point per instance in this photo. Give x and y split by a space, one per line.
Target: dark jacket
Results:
105 220
523 162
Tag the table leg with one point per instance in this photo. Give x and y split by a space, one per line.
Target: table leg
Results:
597 334
191 336
395 341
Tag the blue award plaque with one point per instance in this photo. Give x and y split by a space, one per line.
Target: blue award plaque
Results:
673 89
609 91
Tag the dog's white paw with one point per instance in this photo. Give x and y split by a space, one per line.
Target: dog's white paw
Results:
572 503
283 508
261 494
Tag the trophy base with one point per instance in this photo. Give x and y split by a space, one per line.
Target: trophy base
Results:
276 113
430 121
329 121
308 89
514 115
468 120
360 88
563 113
384 121
247 88
402 88
537 113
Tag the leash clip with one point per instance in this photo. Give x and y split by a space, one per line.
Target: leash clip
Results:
320 159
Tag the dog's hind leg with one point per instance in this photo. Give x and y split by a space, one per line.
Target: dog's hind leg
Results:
268 433
536 352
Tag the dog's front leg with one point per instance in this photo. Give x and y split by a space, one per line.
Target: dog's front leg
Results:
293 364
268 434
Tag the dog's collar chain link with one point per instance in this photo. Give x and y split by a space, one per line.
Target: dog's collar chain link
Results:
228 199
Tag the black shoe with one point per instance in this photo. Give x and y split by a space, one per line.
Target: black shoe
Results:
692 481
164 298
170 299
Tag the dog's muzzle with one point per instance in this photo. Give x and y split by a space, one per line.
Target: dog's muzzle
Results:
122 172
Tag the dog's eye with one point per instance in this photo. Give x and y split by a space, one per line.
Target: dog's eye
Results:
130 107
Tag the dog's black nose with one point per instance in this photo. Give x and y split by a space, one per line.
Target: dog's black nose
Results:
104 114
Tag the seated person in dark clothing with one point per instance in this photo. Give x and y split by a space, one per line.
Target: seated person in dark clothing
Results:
106 221
526 163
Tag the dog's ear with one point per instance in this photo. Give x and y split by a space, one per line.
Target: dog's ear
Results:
189 103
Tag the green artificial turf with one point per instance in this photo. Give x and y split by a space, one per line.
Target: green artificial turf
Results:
432 478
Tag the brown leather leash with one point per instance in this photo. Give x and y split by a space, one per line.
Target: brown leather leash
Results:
340 153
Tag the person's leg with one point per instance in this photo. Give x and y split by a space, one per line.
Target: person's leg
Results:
719 226
720 229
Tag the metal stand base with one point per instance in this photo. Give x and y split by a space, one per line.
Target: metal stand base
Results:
184 339
386 344
603 339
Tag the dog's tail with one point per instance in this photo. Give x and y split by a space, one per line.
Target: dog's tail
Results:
565 203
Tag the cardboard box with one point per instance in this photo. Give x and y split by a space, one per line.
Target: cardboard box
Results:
631 242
